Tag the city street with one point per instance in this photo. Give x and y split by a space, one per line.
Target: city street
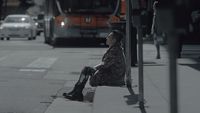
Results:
160 41
31 72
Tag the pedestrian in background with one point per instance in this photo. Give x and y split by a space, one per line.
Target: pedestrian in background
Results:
154 30
110 72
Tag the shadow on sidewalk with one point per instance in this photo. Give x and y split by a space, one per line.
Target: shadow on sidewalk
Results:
148 63
195 65
89 95
132 99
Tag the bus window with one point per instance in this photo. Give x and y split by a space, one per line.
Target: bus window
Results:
107 6
88 6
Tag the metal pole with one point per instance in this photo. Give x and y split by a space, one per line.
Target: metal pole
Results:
167 10
137 22
172 31
173 74
140 65
127 43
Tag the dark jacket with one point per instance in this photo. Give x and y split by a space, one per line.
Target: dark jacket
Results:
112 71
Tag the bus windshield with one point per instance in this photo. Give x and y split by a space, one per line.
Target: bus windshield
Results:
88 6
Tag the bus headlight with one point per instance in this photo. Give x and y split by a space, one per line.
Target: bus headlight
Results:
62 24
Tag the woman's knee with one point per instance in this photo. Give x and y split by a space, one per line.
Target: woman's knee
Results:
85 69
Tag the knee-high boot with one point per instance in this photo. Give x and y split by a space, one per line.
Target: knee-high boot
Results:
76 93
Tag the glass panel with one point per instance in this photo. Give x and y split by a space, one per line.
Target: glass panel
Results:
88 6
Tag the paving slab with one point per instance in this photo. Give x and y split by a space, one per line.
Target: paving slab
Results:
61 105
114 100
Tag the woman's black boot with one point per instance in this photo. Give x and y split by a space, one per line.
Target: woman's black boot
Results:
75 94
74 89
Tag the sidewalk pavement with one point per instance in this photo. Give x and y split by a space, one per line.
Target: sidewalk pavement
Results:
156 89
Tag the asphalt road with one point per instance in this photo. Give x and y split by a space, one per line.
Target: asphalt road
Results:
31 72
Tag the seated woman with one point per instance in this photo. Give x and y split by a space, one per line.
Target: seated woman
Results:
110 72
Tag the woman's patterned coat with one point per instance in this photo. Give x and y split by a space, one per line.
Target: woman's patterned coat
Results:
112 70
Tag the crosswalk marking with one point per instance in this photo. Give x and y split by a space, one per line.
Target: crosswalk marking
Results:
32 70
43 62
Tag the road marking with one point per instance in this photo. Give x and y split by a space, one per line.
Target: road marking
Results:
33 70
43 62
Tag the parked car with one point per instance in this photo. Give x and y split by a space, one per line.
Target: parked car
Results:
18 26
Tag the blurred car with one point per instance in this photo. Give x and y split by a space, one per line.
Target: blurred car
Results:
39 23
18 26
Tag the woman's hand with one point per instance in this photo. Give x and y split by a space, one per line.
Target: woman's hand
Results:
98 66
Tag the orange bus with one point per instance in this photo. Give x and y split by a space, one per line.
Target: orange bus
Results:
92 19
